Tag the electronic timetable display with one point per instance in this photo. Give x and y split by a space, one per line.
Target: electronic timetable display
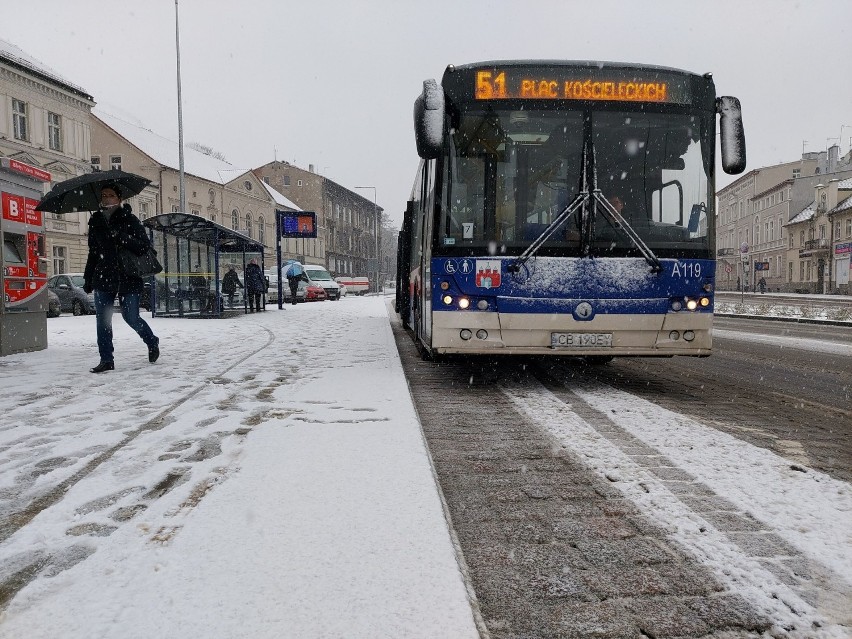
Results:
298 224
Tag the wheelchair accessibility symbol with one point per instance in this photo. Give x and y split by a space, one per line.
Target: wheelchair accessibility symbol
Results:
450 267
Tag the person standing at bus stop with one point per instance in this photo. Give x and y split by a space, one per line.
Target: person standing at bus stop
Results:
255 285
230 283
111 227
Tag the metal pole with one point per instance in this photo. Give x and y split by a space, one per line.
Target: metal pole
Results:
180 116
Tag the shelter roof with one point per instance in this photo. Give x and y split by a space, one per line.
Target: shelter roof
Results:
199 229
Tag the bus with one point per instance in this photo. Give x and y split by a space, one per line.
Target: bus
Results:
565 208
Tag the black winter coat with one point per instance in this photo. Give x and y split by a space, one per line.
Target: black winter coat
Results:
102 267
255 282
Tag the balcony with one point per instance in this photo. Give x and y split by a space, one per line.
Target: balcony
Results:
815 245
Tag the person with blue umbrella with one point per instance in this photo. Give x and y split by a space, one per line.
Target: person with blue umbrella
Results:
294 274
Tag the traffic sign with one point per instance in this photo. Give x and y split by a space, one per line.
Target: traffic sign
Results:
744 247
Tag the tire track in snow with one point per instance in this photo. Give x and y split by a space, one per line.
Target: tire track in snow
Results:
803 598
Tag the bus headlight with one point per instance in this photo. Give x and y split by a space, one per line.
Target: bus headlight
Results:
445 285
674 335
482 305
676 305
691 305
465 334
689 335
464 302
447 299
482 334
704 301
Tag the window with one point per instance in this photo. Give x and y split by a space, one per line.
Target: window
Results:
235 220
175 208
19 120
801 239
60 254
261 235
790 272
96 163
248 224
797 173
54 131
849 227
286 180
115 162
195 212
213 218
247 184
298 183
212 195
822 231
801 271
143 210
837 229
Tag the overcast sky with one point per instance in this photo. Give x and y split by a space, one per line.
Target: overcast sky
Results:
332 83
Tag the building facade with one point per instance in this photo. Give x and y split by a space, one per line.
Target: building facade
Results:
45 122
753 214
820 241
347 222
214 189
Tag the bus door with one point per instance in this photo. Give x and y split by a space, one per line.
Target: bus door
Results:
428 208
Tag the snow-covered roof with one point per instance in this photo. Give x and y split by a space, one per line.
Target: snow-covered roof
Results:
18 56
804 215
280 199
166 152
845 185
844 205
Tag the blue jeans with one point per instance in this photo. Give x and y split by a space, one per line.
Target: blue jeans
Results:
104 301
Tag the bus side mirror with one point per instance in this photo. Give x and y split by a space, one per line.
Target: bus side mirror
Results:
732 134
429 120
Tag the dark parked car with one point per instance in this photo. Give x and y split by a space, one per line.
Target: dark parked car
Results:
54 308
72 298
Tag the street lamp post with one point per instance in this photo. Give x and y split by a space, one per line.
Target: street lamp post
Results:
376 215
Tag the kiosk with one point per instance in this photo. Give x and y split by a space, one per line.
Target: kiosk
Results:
23 263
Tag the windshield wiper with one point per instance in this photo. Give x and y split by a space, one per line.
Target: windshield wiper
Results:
583 200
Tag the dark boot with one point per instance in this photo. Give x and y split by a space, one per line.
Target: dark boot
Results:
153 353
103 367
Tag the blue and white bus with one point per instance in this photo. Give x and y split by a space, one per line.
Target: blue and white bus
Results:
565 208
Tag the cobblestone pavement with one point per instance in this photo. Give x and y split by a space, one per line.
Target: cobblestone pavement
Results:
552 549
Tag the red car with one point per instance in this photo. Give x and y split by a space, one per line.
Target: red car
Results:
314 293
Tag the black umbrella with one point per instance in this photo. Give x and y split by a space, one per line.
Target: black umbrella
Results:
83 193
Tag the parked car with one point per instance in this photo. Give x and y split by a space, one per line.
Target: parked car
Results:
72 298
54 308
314 293
321 277
301 292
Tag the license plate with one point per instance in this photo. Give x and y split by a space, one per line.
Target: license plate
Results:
581 340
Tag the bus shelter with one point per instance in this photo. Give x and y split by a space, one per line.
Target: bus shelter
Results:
196 254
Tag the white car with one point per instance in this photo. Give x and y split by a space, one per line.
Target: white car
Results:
321 277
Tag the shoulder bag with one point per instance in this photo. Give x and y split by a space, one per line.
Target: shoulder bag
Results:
144 265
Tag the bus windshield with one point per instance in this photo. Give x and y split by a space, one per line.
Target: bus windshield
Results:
509 173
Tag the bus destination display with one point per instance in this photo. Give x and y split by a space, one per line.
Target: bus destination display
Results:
500 84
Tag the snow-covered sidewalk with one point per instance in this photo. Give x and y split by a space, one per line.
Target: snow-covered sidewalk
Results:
266 478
